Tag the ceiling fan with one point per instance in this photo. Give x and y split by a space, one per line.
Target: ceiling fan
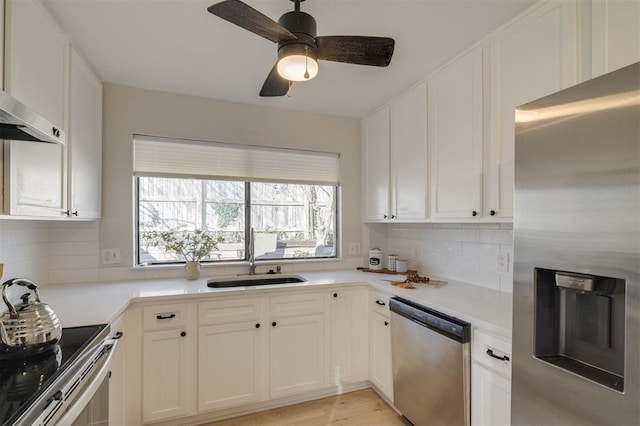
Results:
298 47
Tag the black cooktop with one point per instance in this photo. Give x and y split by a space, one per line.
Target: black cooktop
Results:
22 381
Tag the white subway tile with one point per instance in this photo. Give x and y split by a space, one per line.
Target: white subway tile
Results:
479 249
483 279
73 248
506 283
463 235
61 276
463 262
73 234
480 226
434 234
74 262
501 236
121 274
506 226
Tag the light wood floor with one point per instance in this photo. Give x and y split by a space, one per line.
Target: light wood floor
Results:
363 407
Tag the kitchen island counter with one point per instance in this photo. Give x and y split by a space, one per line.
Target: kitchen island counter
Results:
103 302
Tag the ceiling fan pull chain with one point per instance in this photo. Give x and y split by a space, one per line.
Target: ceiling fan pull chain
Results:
289 89
306 62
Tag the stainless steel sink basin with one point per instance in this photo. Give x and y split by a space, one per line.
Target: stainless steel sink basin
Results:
254 280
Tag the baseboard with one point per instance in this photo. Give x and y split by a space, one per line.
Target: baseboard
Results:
255 407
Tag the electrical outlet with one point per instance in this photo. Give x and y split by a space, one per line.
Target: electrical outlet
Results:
110 256
502 261
354 249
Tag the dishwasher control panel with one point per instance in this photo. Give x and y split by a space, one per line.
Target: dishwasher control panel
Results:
437 321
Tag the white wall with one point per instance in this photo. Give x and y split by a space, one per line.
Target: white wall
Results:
128 111
463 252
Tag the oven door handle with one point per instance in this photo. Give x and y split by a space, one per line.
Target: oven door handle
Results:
87 394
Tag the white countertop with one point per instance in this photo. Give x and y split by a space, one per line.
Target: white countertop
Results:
94 303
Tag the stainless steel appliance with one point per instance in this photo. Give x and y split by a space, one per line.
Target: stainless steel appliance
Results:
431 364
68 385
27 328
19 122
576 300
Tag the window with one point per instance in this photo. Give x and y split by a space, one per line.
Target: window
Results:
292 218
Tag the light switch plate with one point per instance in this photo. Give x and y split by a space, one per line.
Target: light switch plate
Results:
354 249
110 256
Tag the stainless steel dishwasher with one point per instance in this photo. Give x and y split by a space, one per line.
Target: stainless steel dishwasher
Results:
431 365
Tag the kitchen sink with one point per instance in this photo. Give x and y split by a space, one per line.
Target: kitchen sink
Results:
254 280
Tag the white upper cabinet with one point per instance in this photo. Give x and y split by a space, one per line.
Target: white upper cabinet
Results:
376 164
455 139
395 158
532 58
84 140
615 35
409 154
35 53
35 60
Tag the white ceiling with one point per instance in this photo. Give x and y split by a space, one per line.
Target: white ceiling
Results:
177 46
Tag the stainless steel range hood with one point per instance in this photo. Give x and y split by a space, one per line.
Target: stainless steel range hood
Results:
18 122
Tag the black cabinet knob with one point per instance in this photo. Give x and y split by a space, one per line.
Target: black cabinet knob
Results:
380 303
335 294
75 213
386 323
492 212
474 213
393 216
274 324
258 325
384 216
184 333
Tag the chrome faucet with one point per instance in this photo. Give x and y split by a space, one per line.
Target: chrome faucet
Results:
252 259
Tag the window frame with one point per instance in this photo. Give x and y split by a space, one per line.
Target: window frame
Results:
247 229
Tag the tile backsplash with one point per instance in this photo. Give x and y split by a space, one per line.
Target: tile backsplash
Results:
463 252
24 249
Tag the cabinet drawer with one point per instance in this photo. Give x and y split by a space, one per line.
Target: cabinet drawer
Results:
297 304
226 311
379 303
165 316
491 352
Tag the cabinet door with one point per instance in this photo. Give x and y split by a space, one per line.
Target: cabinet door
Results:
349 356
35 74
534 57
376 165
84 140
380 372
490 398
615 35
117 386
35 59
409 154
298 357
231 364
165 374
455 125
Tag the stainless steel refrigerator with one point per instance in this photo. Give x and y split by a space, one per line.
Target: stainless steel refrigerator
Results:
576 296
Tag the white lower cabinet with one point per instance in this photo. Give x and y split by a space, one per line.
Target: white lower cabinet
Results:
298 357
231 352
166 360
380 371
490 380
231 355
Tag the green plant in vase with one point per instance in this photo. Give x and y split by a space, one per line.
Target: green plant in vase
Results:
192 245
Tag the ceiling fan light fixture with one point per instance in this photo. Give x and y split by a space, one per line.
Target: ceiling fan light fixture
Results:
297 62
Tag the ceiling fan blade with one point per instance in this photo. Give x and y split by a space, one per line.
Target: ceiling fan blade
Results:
275 85
250 19
361 50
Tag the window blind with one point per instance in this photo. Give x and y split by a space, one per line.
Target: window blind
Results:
166 157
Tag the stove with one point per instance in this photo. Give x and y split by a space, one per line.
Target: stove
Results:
24 382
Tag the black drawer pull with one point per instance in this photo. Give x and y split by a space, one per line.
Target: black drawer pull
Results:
118 335
184 333
258 325
164 317
335 294
492 355
380 303
386 323
273 324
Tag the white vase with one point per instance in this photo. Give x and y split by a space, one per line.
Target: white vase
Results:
193 269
